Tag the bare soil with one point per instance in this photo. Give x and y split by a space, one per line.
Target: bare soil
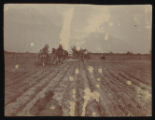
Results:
95 87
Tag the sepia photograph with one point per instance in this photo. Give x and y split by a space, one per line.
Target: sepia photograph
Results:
78 60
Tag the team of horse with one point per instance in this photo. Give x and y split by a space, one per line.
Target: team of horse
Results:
56 57
59 55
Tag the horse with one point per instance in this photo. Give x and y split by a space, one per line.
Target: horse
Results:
65 54
59 55
44 59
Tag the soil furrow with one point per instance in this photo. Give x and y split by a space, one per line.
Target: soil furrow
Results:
52 83
13 106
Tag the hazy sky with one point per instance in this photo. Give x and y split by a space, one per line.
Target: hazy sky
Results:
99 28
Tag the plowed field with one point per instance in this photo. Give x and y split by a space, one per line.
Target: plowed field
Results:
75 88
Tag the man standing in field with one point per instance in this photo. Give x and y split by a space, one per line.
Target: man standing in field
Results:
44 56
54 56
59 54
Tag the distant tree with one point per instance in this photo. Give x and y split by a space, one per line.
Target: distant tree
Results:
129 53
138 54
111 53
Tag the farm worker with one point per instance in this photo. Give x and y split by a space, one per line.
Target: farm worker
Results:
59 54
44 59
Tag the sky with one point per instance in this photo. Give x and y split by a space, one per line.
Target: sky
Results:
98 28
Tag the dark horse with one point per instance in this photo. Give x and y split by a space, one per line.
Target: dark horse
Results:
60 55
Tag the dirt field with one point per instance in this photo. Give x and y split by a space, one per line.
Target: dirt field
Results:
94 88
